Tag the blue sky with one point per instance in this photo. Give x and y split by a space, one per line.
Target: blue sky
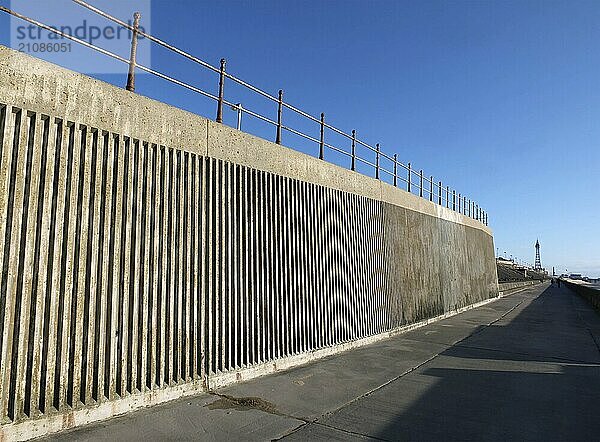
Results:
498 99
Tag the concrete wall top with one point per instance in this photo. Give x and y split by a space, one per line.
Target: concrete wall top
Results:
80 98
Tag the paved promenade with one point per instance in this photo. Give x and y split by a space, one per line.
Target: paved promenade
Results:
525 367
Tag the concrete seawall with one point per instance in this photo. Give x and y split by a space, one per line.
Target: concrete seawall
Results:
147 253
589 293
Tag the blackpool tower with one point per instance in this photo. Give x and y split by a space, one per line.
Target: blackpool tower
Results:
538 261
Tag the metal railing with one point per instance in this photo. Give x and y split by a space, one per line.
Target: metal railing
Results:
416 181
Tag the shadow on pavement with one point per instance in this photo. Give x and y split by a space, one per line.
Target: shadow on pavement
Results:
532 376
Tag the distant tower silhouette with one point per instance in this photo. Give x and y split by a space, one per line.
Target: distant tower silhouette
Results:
538 261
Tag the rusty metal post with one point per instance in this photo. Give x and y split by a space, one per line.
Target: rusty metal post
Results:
132 56
221 86
440 193
447 197
459 201
377 161
353 166
431 188
322 141
421 183
464 205
395 170
454 200
408 182
279 109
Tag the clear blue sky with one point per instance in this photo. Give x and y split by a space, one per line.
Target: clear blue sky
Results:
499 99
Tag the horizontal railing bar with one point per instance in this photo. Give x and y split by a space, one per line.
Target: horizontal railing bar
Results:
146 35
175 81
382 169
337 149
62 34
367 162
445 192
294 131
384 155
254 114
105 52
205 64
362 143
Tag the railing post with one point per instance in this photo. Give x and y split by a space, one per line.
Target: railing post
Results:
421 183
279 109
395 170
447 197
454 200
322 141
464 205
459 201
431 188
239 116
221 86
132 56
353 166
377 161
408 182
440 193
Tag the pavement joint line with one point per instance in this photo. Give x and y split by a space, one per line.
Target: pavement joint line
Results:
410 370
290 432
307 422
354 433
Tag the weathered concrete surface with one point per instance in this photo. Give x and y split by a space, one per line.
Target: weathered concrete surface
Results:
173 254
525 367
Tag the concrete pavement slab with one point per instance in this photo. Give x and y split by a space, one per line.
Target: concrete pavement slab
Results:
309 391
518 368
515 385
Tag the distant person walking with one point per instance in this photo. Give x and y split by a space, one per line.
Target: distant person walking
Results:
558 281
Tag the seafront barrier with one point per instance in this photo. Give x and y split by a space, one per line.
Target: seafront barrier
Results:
149 253
590 293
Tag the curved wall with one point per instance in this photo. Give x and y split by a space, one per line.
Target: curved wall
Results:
147 252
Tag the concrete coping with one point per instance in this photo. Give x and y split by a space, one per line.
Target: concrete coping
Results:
85 100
